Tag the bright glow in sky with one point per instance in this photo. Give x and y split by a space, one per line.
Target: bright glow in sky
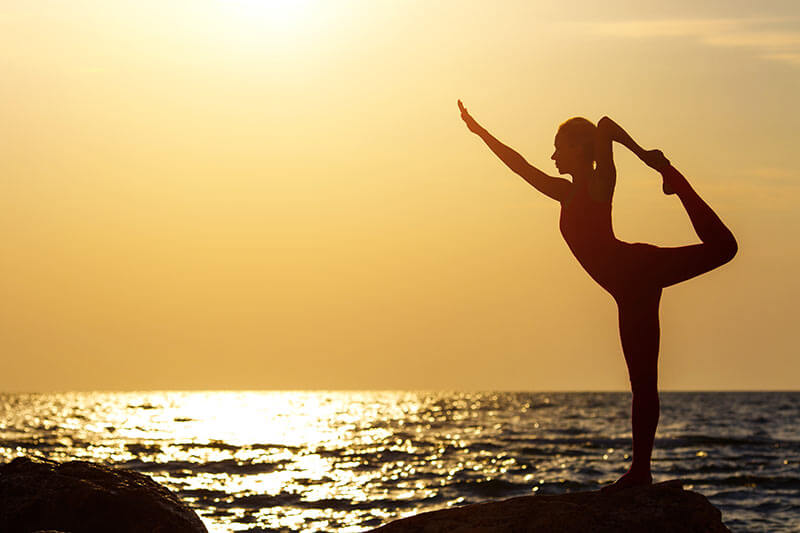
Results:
280 194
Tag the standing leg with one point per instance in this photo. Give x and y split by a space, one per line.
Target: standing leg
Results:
639 333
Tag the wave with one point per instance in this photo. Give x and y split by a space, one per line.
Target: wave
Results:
226 466
489 488
694 440
427 449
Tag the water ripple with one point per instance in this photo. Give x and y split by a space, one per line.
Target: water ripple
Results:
322 461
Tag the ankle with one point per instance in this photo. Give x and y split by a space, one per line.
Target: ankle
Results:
674 181
640 473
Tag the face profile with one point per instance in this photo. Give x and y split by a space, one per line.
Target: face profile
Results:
567 156
574 145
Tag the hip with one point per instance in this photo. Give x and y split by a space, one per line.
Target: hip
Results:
623 269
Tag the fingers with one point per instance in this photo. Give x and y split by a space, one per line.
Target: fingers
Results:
465 116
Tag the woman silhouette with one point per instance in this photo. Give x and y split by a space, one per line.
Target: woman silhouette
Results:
634 274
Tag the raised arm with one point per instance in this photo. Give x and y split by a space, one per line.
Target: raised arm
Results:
608 131
556 188
605 171
613 131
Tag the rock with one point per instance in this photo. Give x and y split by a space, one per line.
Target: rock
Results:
82 497
659 508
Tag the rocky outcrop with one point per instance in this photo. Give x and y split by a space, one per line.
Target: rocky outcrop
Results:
660 508
83 497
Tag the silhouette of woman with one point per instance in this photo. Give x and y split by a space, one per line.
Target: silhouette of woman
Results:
633 273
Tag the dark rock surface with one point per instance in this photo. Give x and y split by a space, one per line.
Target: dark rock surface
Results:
83 497
660 508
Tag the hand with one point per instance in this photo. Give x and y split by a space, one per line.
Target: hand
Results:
472 125
655 159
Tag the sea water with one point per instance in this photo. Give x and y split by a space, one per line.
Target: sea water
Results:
351 461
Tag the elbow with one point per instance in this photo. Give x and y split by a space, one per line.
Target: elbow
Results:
604 124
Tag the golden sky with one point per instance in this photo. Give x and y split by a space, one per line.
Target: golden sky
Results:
280 194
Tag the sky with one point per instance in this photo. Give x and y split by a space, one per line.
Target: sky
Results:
280 194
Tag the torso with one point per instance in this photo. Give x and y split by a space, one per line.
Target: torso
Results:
585 224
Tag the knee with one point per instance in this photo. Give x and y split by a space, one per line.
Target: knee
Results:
729 249
726 248
644 385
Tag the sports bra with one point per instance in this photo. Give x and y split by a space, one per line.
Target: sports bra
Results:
585 224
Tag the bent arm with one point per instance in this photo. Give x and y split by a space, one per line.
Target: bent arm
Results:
613 131
605 171
556 188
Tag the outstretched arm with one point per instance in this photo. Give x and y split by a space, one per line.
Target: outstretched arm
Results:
556 188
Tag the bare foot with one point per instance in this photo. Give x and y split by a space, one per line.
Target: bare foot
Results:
630 479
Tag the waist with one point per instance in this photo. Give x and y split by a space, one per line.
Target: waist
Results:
594 247
588 233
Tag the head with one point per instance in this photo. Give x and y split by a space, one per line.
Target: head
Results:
574 145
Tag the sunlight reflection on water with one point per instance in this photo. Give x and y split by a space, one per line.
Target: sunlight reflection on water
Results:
349 461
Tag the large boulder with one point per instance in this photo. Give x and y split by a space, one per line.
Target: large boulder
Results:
83 497
660 508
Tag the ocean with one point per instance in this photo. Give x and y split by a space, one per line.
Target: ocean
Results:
351 461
